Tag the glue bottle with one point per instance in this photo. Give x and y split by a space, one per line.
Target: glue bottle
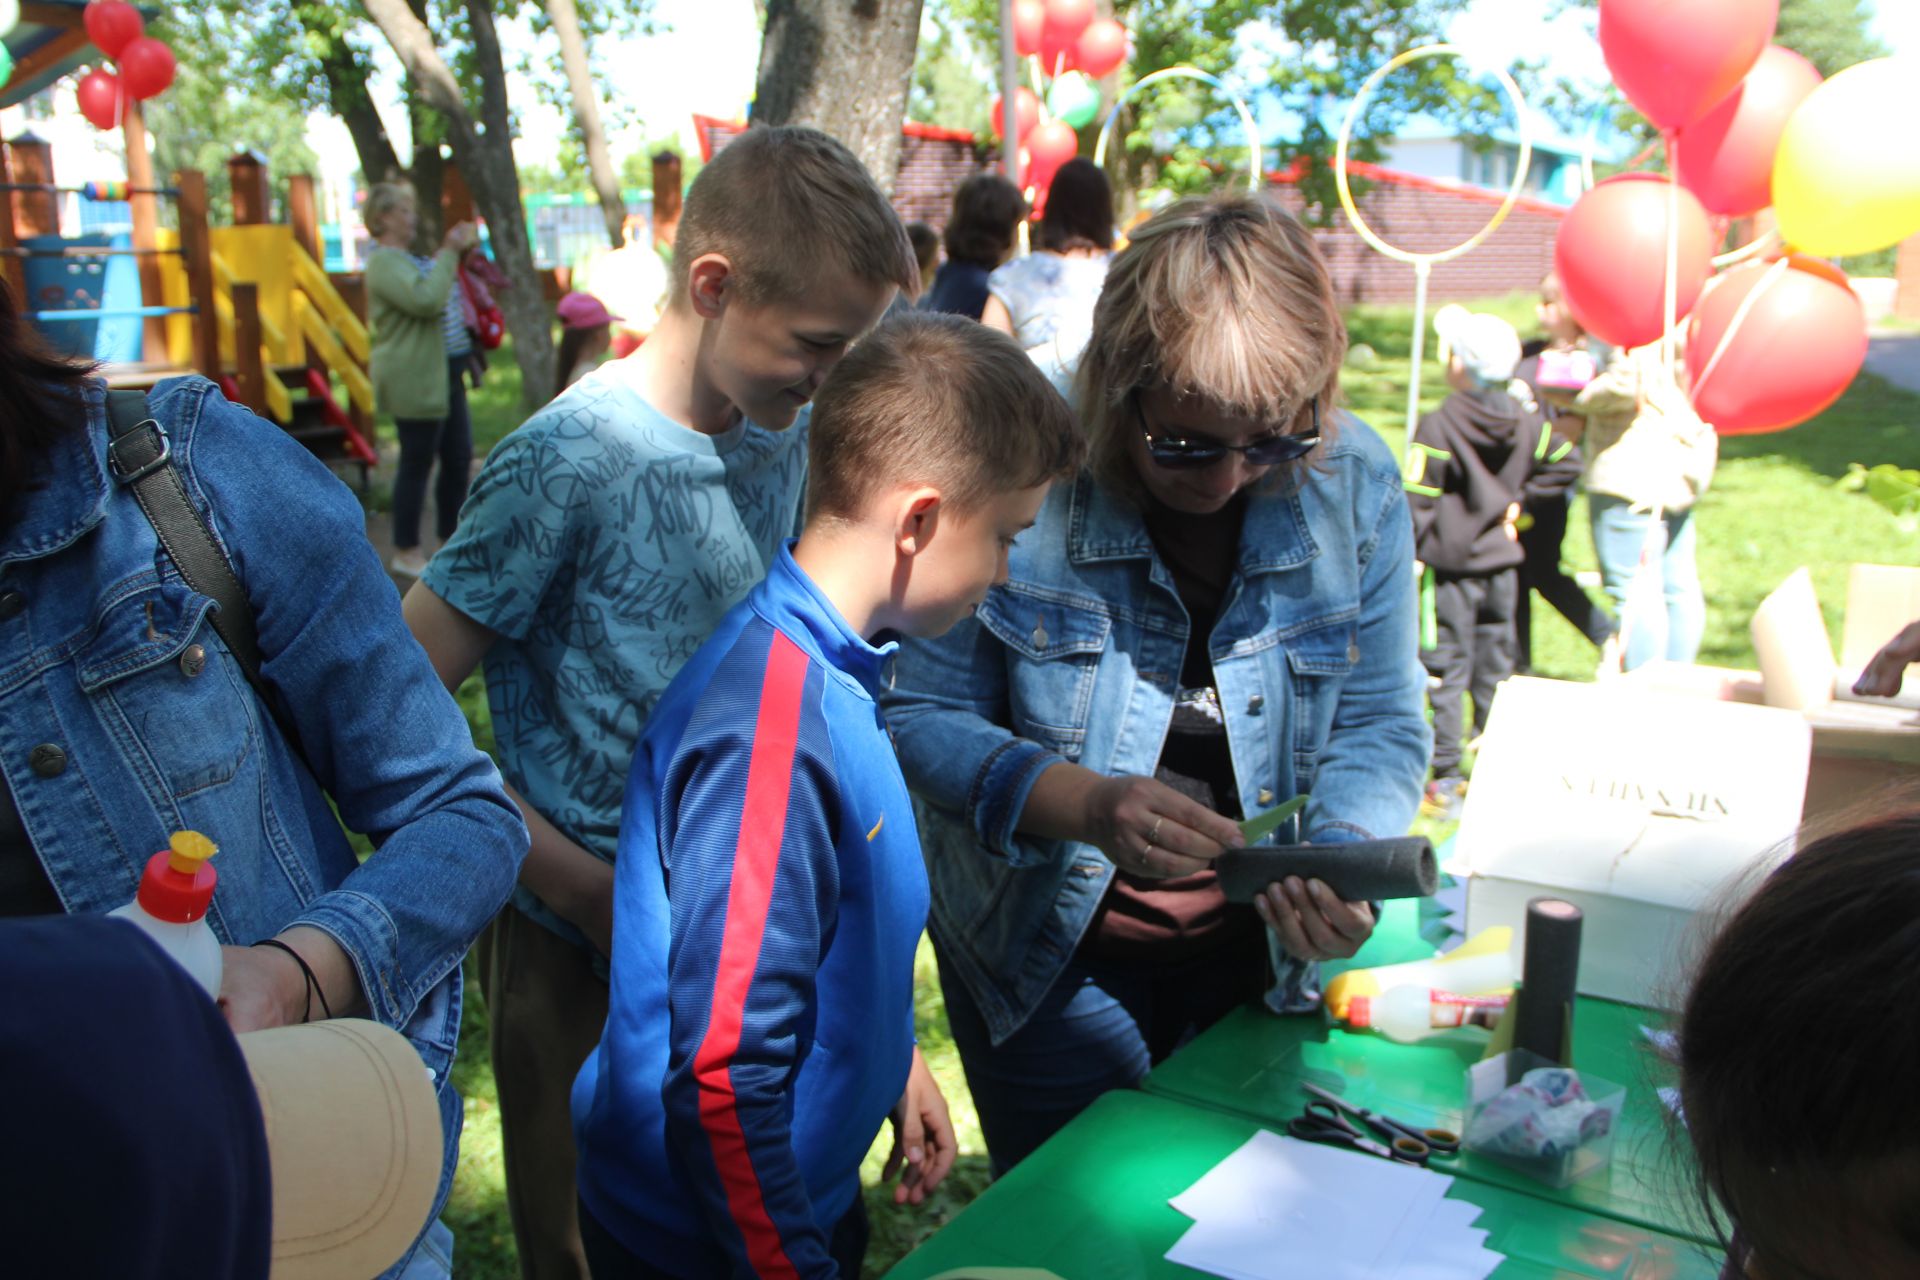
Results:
1480 966
1410 1013
171 907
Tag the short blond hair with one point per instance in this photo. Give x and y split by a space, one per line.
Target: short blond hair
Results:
782 203
941 400
383 199
1225 299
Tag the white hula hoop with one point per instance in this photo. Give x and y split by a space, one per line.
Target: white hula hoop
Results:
1423 263
1189 73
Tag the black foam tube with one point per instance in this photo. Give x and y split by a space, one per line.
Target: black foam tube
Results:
1364 871
1543 1008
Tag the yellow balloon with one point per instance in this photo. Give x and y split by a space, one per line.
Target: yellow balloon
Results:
1846 178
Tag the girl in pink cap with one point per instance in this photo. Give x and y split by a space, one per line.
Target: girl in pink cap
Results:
586 333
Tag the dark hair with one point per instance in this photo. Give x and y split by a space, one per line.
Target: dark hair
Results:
986 212
782 202
926 243
39 401
938 399
1079 209
572 342
1799 1053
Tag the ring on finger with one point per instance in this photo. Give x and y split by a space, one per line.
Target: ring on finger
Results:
1147 852
1153 836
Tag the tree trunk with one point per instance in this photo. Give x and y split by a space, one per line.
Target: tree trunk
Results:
586 113
428 174
486 159
842 66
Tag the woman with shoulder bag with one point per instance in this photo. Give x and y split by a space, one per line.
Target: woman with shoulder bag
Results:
196 634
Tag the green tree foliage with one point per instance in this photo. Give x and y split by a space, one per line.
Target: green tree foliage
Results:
1831 34
205 118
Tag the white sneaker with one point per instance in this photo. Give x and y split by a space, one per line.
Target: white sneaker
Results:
410 563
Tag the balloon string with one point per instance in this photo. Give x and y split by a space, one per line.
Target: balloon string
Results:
1762 244
1745 309
1669 341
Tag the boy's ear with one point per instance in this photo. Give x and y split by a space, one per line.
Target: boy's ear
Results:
709 284
917 519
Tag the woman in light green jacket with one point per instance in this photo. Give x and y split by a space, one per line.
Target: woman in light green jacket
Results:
420 349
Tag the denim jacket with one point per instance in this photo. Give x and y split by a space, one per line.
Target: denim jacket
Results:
123 717
1077 657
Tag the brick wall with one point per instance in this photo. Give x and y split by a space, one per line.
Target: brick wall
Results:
933 162
1421 215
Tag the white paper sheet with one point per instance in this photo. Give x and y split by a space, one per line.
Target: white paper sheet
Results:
1281 1209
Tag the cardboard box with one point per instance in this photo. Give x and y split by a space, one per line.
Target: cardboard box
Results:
1639 805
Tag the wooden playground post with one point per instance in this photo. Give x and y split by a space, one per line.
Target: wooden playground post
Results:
247 174
146 224
303 215
11 267
197 251
36 213
248 370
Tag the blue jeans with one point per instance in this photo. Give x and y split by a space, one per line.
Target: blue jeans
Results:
1097 1028
1620 535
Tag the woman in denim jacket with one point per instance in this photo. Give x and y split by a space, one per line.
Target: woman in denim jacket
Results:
123 717
1218 615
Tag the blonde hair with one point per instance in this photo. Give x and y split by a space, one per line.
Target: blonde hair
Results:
382 200
780 204
1225 299
941 400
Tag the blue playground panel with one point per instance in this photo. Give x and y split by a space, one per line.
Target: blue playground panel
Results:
61 282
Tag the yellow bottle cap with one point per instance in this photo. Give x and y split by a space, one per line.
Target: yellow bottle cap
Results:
187 850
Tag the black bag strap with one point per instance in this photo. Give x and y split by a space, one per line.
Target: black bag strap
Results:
140 455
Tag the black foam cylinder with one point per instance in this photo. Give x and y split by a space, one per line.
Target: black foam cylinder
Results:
1364 871
1543 1007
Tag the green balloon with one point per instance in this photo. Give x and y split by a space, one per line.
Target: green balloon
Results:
1074 98
6 64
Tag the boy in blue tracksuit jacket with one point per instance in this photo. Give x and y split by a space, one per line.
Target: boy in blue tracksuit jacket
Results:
769 891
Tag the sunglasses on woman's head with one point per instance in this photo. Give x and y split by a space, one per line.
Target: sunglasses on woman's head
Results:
1179 453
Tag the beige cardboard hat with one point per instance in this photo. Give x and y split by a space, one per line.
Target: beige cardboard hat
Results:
354 1133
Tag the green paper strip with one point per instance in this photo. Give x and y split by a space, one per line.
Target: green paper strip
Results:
1258 829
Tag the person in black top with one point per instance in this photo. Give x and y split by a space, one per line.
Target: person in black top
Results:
1555 369
1470 467
987 210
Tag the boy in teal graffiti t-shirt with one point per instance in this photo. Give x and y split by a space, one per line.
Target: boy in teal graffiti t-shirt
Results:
599 547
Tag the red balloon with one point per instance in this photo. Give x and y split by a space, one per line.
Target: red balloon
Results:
1676 59
1029 19
1066 19
1726 156
1026 113
1611 256
1101 48
1796 350
147 67
99 96
112 25
1050 145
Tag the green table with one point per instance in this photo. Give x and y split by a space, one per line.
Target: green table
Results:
1252 1064
1091 1204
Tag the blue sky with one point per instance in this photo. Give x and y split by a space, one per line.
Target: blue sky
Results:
704 62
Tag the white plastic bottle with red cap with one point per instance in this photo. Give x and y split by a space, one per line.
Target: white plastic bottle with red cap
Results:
171 906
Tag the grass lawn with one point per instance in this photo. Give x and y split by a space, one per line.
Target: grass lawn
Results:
1773 507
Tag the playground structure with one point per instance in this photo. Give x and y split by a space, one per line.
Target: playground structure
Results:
249 306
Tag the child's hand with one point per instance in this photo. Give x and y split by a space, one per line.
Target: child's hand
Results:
922 1137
